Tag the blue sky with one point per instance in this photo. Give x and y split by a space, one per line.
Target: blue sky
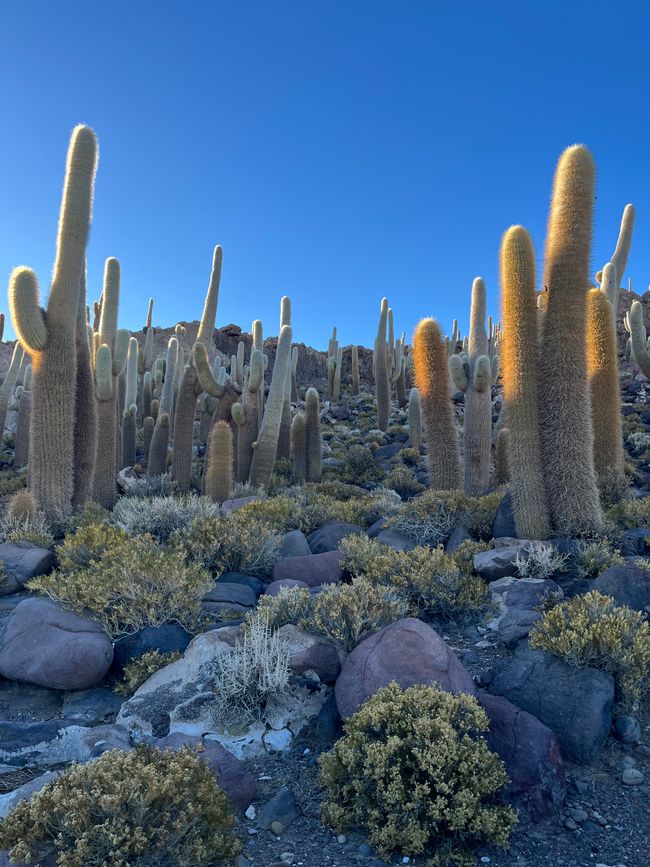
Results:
339 151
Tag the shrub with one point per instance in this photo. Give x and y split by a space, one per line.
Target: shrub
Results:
638 441
233 543
152 486
592 631
631 513
79 550
539 560
430 518
428 579
414 770
140 669
142 808
463 556
22 505
359 466
129 585
161 516
10 482
292 605
29 528
401 479
591 558
92 513
409 456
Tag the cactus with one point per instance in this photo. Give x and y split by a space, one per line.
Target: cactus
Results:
149 315
638 338
245 415
299 449
23 418
472 374
502 472
129 407
267 440
218 475
85 421
565 411
382 385
184 429
432 380
294 372
398 377
415 419
22 506
7 388
2 326
620 255
355 370
314 443
157 463
50 338
148 425
146 394
602 371
284 438
520 354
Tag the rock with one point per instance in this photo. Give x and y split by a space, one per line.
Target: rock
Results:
24 701
11 799
497 563
275 587
22 562
238 503
637 541
168 638
314 570
294 544
52 742
329 535
236 596
525 593
327 727
281 807
626 729
255 584
458 536
408 652
504 520
47 645
395 540
632 777
516 624
375 529
385 453
310 653
277 741
92 706
576 704
232 775
277 828
628 585
531 755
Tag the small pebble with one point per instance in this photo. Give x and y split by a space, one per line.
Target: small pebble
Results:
250 812
365 849
570 823
628 762
287 857
485 859
252 831
341 839
632 777
306 751
277 828
579 815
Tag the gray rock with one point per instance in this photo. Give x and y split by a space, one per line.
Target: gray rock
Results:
329 535
311 653
528 593
92 706
255 584
516 624
168 638
628 585
576 704
395 540
232 775
22 562
497 563
504 520
314 570
626 729
294 544
237 596
47 645
632 777
53 742
408 652
11 799
458 536
24 701
238 503
281 807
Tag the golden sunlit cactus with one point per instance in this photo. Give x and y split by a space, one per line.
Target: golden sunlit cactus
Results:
218 475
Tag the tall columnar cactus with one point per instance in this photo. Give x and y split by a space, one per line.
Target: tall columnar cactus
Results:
294 374
149 314
314 441
129 417
245 415
284 438
157 463
520 372
621 253
432 380
299 449
85 420
565 406
184 429
501 470
218 476
23 418
355 370
208 319
267 440
2 326
638 338
50 337
382 385
148 425
9 383
602 370
415 419
398 377
473 376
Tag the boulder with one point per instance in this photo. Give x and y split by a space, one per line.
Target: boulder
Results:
168 638
408 652
329 535
504 519
314 570
520 601
90 707
628 585
575 703
45 644
239 784
223 595
294 544
395 540
22 562
497 563
281 808
311 653
458 536
251 581
54 742
11 799
531 755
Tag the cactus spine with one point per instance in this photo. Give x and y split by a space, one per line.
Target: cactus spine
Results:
382 385
218 476
314 444
432 380
267 440
565 411
50 340
520 371
415 419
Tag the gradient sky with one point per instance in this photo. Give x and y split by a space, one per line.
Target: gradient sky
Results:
339 151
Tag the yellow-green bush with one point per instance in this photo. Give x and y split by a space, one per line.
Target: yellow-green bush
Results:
592 558
402 480
140 669
414 769
430 580
79 550
141 808
233 543
631 513
430 518
593 631
10 482
292 605
129 586
359 466
463 556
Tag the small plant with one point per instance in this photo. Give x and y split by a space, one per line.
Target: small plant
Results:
22 505
629 514
140 669
142 808
292 605
463 556
152 486
591 558
402 480
414 769
85 547
161 516
359 466
592 631
32 528
10 482
539 560
431 518
129 585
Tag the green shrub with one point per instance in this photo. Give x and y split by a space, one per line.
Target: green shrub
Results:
427 578
430 518
140 669
233 543
292 605
592 558
152 486
142 808
130 585
415 771
359 466
79 550
92 513
402 480
161 516
629 514
30 528
539 561
592 631
463 556
11 481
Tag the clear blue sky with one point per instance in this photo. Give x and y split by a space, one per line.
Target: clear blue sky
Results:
339 151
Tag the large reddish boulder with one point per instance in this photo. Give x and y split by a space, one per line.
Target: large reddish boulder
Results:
407 652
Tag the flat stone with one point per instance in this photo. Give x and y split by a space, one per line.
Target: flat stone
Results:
328 536
52 742
282 807
497 563
395 540
628 585
251 581
222 594
314 570
11 799
92 706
